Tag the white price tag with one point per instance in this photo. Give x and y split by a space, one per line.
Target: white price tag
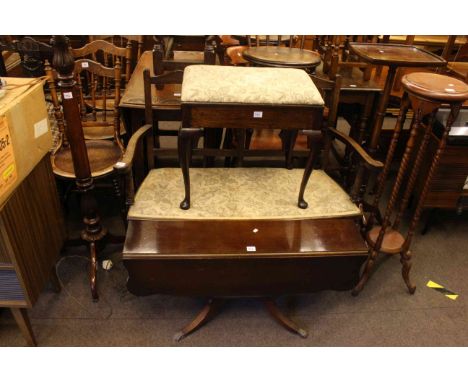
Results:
40 128
68 95
251 248
85 64
176 94
258 114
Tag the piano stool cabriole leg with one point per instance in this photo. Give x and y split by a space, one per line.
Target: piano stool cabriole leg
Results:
184 146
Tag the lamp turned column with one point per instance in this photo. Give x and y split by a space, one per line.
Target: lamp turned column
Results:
64 63
424 92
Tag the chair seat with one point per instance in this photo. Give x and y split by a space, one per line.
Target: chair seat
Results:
239 193
251 85
102 157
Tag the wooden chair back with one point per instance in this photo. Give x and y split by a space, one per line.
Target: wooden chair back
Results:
330 91
350 172
123 41
107 53
98 92
98 82
174 77
337 58
169 94
161 63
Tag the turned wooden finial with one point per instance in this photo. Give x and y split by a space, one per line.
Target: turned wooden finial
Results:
63 60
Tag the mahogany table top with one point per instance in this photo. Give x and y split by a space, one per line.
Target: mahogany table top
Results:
396 55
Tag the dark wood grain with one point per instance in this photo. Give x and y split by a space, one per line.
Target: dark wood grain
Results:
195 239
200 258
241 116
396 54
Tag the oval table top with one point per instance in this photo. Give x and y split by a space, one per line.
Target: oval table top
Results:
280 56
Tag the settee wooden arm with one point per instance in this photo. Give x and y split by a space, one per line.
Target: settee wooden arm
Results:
368 161
125 164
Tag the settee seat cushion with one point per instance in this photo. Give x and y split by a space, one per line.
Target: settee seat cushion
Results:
239 193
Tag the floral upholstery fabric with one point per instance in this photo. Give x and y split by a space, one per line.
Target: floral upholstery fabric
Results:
229 84
239 193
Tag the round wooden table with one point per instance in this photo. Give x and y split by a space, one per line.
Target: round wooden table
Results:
282 57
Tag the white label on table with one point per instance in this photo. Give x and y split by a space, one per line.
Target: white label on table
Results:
258 114
251 248
68 95
176 94
85 65
353 86
40 128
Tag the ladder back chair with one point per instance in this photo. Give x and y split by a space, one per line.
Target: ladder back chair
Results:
107 54
162 84
102 154
99 96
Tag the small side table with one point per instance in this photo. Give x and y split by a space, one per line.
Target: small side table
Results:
394 56
424 93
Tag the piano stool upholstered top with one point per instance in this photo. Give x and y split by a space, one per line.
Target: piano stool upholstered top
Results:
250 85
239 193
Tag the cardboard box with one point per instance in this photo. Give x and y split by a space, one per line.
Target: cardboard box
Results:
25 136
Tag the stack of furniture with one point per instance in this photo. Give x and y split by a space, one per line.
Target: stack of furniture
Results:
242 233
